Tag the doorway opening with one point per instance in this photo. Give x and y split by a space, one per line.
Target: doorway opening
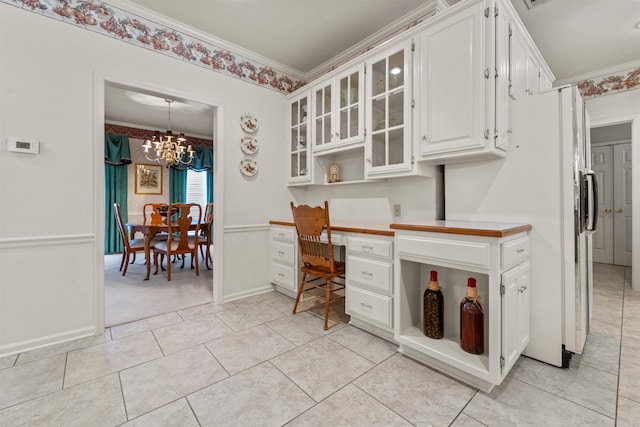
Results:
127 298
611 160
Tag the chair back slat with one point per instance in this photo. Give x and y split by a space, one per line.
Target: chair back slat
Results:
310 224
179 229
151 212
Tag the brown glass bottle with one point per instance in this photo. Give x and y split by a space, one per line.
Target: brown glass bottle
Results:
433 309
471 321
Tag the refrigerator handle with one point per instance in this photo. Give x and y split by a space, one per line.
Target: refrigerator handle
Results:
591 216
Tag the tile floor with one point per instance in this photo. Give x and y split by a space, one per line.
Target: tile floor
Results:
251 363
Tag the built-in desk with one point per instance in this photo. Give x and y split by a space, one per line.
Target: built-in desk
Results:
368 254
387 273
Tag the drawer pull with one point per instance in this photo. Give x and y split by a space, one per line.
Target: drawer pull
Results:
367 307
367 248
367 275
280 234
519 251
280 253
281 275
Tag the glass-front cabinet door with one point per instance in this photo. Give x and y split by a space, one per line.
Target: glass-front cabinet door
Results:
350 111
323 130
338 116
388 141
299 155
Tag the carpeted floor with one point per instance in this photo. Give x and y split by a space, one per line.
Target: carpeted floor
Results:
132 298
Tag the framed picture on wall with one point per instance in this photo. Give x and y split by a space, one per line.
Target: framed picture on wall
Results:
148 179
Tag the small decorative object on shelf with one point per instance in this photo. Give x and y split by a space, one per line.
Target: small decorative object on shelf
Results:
433 309
472 321
334 173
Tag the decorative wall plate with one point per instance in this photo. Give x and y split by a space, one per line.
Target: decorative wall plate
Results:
248 123
248 167
249 144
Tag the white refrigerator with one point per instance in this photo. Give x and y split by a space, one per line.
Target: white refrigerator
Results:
544 181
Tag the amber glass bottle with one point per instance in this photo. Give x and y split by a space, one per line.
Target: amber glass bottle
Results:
471 321
433 309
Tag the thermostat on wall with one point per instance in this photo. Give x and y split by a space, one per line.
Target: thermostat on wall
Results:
23 145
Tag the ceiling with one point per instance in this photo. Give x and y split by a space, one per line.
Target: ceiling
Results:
577 38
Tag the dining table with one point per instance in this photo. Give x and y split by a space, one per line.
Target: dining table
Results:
149 230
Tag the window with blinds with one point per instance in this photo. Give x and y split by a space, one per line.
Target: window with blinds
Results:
197 188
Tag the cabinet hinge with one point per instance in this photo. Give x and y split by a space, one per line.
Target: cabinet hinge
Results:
413 47
486 12
502 289
496 11
495 134
413 103
486 73
495 75
510 30
365 132
502 361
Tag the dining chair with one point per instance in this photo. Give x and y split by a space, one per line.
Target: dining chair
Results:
151 212
205 235
179 242
317 257
131 246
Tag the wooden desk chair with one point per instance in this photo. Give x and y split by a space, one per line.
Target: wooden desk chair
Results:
130 246
317 257
180 243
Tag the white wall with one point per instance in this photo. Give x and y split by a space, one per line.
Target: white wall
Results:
48 228
372 203
623 107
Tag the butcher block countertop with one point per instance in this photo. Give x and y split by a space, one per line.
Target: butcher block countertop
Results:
470 228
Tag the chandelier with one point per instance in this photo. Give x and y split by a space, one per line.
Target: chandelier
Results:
167 147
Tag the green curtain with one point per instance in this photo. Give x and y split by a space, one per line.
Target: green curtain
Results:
202 160
209 186
177 185
116 158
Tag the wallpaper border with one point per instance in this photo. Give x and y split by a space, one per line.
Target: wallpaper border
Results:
111 21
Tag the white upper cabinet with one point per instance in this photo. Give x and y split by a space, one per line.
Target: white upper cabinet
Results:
528 77
299 156
388 112
337 110
504 34
453 101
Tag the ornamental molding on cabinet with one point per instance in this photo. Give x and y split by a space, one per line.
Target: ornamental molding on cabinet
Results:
114 22
611 83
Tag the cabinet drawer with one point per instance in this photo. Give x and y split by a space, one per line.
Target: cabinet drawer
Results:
283 234
377 247
369 306
514 252
283 252
370 273
283 275
475 254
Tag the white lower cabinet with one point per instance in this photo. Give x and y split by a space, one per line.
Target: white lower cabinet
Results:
369 291
283 250
504 293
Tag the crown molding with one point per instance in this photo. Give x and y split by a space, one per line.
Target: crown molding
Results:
401 24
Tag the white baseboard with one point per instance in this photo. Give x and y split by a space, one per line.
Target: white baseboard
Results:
250 293
34 344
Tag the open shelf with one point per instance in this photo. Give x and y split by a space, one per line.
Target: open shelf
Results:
414 278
